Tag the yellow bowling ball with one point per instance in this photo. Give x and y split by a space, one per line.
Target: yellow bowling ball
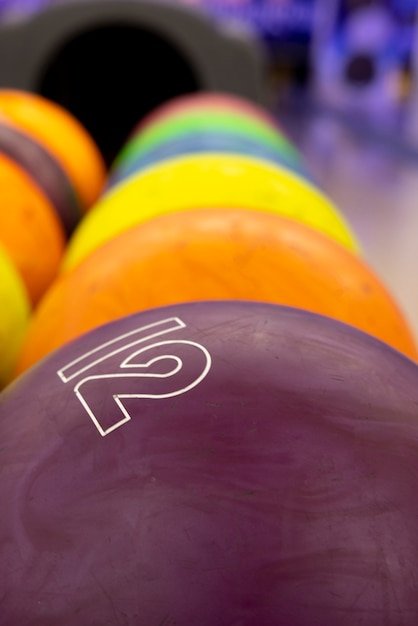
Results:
205 181
14 316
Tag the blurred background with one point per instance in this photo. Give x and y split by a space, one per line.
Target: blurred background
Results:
339 75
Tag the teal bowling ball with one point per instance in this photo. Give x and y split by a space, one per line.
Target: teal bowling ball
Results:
205 142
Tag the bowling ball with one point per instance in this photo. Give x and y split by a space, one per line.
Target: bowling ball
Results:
214 254
201 181
206 121
30 229
42 166
212 464
203 142
14 316
63 135
209 101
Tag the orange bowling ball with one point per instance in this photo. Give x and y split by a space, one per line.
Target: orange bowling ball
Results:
63 135
30 229
215 254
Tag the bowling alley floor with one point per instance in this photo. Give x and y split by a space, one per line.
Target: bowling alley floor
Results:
373 179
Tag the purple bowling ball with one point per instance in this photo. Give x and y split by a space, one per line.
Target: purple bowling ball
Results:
212 464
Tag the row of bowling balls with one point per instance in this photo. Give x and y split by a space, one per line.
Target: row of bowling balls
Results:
198 222
51 173
215 462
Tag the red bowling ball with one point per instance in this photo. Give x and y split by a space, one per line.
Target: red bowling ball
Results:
212 464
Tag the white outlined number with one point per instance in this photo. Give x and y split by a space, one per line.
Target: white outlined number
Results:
162 369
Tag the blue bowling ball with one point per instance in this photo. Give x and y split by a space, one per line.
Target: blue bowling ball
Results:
207 141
